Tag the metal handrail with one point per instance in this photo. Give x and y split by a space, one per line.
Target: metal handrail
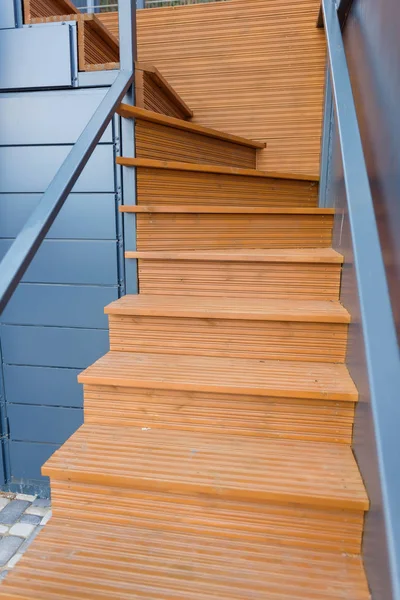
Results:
378 326
22 251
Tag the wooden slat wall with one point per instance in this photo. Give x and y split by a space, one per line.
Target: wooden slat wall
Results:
250 67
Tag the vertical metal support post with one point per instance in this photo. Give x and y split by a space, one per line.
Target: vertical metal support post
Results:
326 141
127 36
18 12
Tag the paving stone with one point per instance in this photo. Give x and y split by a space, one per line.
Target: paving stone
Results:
13 561
4 502
43 502
4 529
8 547
3 574
31 519
23 530
12 512
26 497
30 539
46 518
40 511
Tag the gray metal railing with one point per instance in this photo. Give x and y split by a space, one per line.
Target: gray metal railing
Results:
97 6
377 322
28 241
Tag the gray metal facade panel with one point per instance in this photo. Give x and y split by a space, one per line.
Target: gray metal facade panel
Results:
27 48
52 346
29 169
27 459
49 386
59 116
59 305
48 424
83 216
92 262
7 16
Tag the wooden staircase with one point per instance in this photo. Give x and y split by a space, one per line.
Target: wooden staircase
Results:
215 458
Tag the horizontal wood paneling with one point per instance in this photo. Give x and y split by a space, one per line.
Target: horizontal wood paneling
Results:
166 143
328 530
208 231
159 187
246 67
289 418
243 279
321 342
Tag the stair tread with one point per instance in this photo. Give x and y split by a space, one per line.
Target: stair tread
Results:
300 255
321 311
240 468
225 210
223 375
175 566
149 163
134 112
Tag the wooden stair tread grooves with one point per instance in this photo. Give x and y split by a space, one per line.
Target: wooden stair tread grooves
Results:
143 208
319 474
297 255
315 311
182 166
134 112
223 375
175 566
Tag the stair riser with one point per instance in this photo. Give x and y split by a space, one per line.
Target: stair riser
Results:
291 525
240 279
321 342
220 414
160 187
213 231
159 142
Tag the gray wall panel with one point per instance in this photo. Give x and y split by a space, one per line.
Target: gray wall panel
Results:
27 459
43 385
27 169
59 116
73 262
7 16
43 423
52 346
27 47
59 305
83 216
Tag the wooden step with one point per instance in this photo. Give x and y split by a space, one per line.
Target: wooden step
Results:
168 565
222 375
278 273
161 187
224 210
204 168
220 327
37 9
279 228
154 93
235 468
134 112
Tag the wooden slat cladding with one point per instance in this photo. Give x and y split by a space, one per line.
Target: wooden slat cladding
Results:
153 92
321 342
286 526
247 67
289 418
212 231
36 9
242 279
159 187
166 143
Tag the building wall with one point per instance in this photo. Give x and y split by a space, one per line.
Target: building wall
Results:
249 67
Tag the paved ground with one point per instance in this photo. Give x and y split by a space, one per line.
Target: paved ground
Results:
22 517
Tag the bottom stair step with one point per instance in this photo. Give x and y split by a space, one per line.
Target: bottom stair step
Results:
90 561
